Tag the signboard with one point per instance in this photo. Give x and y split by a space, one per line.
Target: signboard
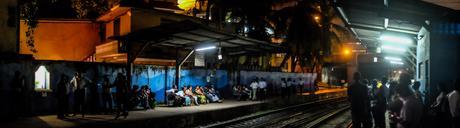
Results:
199 59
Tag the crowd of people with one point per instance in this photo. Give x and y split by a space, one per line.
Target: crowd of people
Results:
72 96
81 95
188 95
260 89
403 102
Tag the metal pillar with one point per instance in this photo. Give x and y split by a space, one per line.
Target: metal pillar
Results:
179 64
166 83
130 60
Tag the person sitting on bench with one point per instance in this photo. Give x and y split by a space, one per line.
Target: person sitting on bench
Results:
200 94
189 93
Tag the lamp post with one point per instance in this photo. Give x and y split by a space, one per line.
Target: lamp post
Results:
179 63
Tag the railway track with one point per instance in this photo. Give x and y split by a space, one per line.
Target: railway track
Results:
302 115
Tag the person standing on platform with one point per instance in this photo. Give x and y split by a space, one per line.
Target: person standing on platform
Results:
454 104
289 87
254 85
394 103
62 94
440 108
79 86
121 96
386 90
107 96
412 109
18 95
263 89
283 87
378 104
360 106
301 84
93 96
417 92
293 86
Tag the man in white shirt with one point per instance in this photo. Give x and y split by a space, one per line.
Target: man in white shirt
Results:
254 85
454 104
79 82
263 88
412 109
301 83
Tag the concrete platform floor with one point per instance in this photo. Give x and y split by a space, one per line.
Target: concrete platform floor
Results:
159 112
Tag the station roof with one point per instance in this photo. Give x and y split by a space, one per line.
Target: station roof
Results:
187 35
367 19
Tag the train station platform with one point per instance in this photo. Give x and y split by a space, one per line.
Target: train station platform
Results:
168 116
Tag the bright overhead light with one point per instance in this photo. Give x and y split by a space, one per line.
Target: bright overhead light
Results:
397 62
396 39
205 48
393 48
375 60
219 57
379 50
393 58
316 17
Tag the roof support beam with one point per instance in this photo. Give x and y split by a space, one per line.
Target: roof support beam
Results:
385 23
415 17
185 38
379 28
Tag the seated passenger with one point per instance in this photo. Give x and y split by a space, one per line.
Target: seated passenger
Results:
172 98
212 95
236 92
135 97
245 92
186 100
192 96
200 94
145 97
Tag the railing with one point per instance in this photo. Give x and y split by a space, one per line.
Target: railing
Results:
90 58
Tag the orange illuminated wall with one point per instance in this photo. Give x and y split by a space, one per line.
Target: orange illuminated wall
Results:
62 39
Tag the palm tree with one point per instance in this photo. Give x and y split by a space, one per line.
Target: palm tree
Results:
305 27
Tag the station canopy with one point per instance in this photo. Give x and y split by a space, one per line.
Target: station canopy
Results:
368 19
168 40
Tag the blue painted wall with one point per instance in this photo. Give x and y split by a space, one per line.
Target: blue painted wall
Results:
154 76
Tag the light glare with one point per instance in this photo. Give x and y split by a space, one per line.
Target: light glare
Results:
205 48
397 62
396 39
392 48
393 58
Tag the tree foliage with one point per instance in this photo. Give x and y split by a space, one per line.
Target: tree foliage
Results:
307 38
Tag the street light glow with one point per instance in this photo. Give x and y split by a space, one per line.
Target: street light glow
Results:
393 58
346 52
397 62
396 39
393 48
205 48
